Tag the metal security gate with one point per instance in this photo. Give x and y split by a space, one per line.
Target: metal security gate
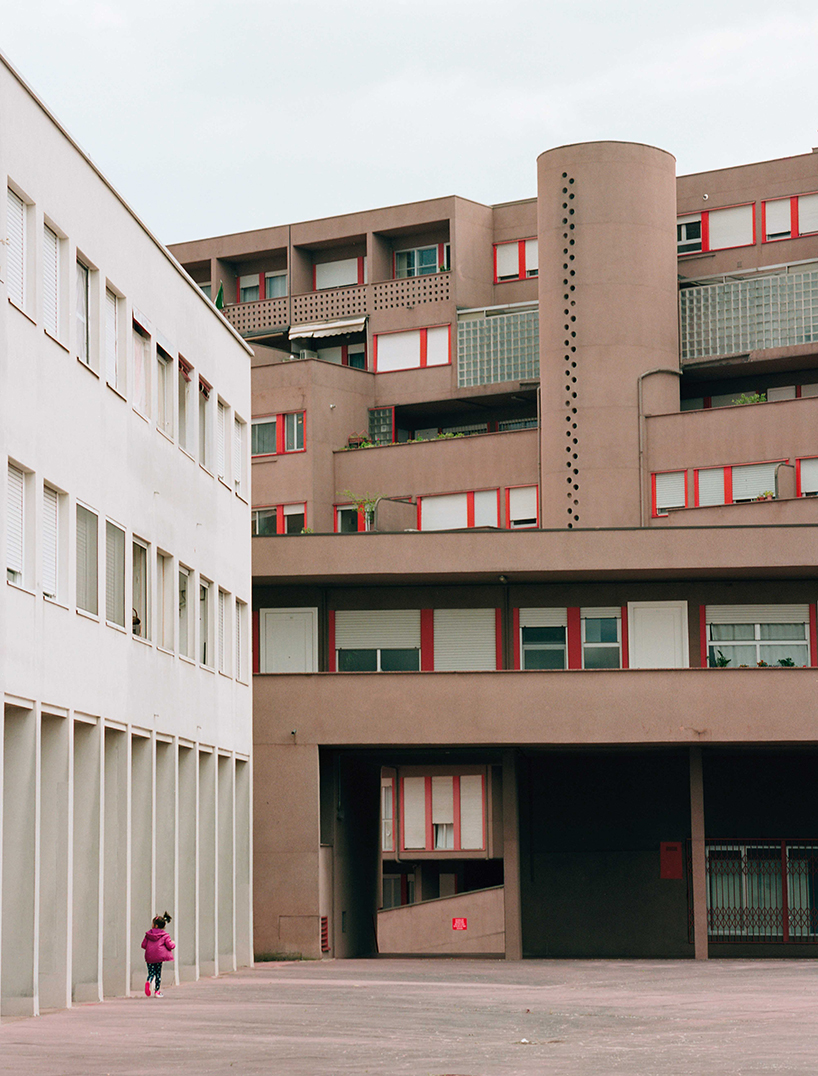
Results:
760 891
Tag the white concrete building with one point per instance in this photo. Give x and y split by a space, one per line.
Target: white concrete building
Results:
124 619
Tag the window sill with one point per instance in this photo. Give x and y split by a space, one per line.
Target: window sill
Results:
242 498
88 615
187 660
185 452
223 483
165 434
88 367
25 313
116 627
139 414
164 650
141 639
263 457
206 470
55 602
226 675
207 668
116 391
57 341
19 586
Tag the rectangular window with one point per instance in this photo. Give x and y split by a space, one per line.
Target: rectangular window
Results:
114 574
751 635
689 234
263 436
185 612
669 491
205 649
422 261
807 477
183 403
601 638
275 285
279 519
710 487
16 259
238 454
349 520
241 641
221 439
377 640
522 507
140 611
204 424
516 260
753 480
164 391
51 281
412 349
113 371
716 229
51 542
777 217
164 600
141 371
294 431
443 812
543 639
87 560
83 313
15 531
340 274
454 511
465 639
275 434
249 288
224 632
388 814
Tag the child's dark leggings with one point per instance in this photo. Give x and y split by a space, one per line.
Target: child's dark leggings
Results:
155 973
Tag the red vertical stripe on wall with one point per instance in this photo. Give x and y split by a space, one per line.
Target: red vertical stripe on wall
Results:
402 826
427 640
279 434
498 636
279 519
423 346
470 509
360 269
655 511
625 652
313 279
238 289
430 833
515 622
456 801
696 488
494 255
728 485
574 639
521 258
331 640
256 641
798 477
441 255
374 354
705 231
795 223
703 636
813 636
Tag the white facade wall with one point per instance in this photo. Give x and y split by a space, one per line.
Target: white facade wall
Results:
126 766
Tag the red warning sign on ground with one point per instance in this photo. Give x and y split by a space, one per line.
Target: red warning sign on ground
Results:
460 924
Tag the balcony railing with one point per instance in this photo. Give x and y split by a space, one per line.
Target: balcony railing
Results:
250 318
411 291
728 318
498 347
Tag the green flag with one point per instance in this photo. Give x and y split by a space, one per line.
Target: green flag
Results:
219 301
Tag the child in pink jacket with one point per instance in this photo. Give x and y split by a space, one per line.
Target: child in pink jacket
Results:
158 947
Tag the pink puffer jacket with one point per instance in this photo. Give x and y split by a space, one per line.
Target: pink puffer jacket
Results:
158 946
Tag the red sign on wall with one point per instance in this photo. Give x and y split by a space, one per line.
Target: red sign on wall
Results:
670 859
460 924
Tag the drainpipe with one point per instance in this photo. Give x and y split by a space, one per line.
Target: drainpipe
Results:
639 380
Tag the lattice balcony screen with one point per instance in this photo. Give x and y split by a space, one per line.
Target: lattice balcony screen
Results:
503 347
748 315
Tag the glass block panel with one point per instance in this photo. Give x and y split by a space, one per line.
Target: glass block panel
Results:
380 425
500 347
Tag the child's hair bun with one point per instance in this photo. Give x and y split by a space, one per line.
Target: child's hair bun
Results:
166 916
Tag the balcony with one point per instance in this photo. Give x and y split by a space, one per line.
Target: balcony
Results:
412 291
250 319
495 346
754 314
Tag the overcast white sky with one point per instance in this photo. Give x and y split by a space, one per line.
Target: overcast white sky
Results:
212 116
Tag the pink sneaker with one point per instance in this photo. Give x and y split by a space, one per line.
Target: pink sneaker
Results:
158 994
148 988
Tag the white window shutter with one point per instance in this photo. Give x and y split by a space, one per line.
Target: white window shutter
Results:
731 227
370 629
711 486
444 512
670 490
807 213
222 615
414 812
485 508
50 281
15 249
532 255
14 523
398 351
437 346
338 274
87 567
443 801
752 480
757 614
777 217
110 338
471 811
522 505
239 641
115 574
508 260
220 438
238 453
809 476
543 618
465 639
50 541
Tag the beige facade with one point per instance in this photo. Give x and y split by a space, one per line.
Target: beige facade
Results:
533 504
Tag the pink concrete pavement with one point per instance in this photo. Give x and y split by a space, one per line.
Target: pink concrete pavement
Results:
444 1016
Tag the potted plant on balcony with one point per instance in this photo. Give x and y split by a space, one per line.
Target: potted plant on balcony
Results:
767 495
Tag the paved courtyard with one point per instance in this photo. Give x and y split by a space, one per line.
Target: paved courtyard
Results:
444 1017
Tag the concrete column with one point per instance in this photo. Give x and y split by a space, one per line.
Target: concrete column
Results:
18 985
164 857
511 859
142 823
55 863
86 949
699 886
244 866
116 863
208 844
186 927
226 863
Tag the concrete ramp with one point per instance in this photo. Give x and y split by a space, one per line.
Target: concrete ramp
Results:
472 923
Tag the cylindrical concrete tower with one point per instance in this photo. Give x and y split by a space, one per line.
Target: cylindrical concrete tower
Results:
608 302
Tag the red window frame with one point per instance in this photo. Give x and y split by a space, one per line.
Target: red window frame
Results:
280 517
798 490
728 480
795 229
573 638
522 485
522 273
281 450
361 274
656 512
705 220
423 339
429 825
336 508
441 259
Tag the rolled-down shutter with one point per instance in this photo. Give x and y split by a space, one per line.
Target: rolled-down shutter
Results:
114 574
807 213
711 486
543 618
809 476
752 480
471 811
670 490
369 629
50 504
50 280
445 512
15 256
508 260
398 351
465 640
532 255
732 227
777 219
14 522
414 812
486 508
757 614
522 506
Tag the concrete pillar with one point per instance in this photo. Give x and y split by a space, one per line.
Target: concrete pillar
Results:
208 897
244 874
699 881
511 859
18 985
608 314
87 919
142 823
116 864
226 863
55 863
165 842
186 927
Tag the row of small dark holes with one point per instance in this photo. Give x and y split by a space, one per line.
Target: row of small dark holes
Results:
571 433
